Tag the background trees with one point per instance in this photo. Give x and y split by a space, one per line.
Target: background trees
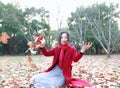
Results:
96 23
21 25
105 26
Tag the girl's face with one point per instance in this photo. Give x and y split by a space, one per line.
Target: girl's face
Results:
64 39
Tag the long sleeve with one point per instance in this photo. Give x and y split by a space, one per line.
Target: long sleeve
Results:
47 52
76 55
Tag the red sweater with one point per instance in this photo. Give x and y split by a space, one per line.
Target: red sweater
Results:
71 55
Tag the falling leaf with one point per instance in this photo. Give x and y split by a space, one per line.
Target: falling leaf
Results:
4 38
4 34
30 44
37 39
31 48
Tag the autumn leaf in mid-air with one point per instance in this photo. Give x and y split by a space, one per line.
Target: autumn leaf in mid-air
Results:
39 38
30 44
4 38
31 48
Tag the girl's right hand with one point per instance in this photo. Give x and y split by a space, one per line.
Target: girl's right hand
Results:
40 43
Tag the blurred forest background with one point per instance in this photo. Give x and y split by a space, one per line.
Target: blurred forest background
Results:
97 23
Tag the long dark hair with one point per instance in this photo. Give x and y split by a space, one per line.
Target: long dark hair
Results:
60 35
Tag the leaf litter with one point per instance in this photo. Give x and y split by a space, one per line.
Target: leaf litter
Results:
100 71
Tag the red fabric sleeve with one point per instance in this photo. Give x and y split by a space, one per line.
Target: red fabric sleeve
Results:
47 52
76 55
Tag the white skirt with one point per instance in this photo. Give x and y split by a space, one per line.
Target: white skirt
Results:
47 79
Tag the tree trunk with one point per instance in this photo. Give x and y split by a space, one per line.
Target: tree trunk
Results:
108 52
108 55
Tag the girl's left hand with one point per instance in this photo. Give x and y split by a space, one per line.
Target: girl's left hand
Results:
86 45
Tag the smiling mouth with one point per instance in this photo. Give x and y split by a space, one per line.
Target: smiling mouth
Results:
64 42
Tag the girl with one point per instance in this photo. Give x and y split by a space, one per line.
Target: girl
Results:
59 73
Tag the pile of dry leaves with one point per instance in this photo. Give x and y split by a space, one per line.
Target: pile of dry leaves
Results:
98 70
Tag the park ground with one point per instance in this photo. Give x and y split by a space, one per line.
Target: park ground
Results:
100 71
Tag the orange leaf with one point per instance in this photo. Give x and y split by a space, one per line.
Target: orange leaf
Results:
95 83
30 44
4 37
34 66
1 70
113 79
38 38
5 41
82 71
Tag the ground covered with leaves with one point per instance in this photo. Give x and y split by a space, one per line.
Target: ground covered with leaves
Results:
100 71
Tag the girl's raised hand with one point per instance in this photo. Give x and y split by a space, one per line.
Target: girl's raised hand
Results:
85 46
40 43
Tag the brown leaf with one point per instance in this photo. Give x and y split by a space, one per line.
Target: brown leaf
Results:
82 71
30 44
100 75
15 86
1 70
95 83
29 59
4 38
5 35
33 66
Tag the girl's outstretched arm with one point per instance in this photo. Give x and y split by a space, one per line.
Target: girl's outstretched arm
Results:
85 46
